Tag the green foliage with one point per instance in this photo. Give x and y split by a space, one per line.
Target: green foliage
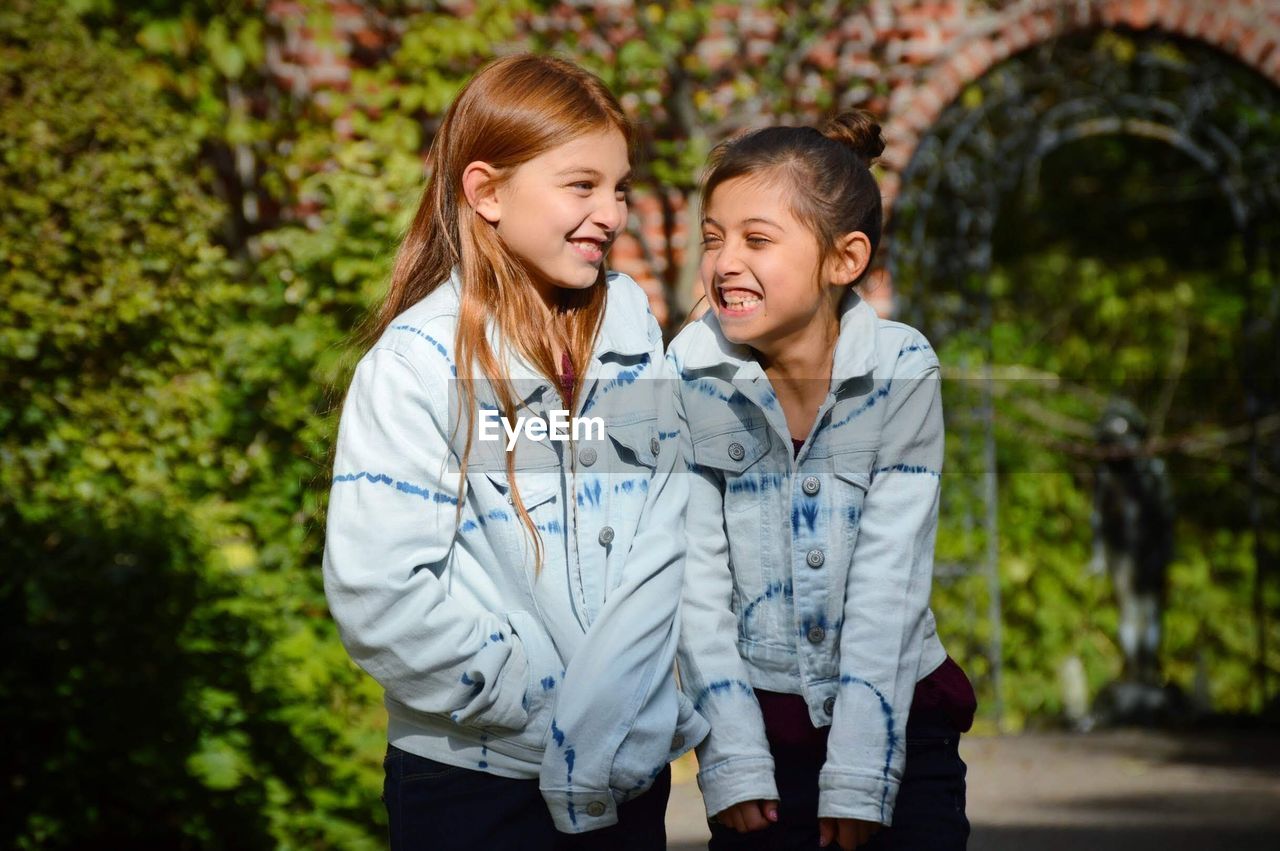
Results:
1089 304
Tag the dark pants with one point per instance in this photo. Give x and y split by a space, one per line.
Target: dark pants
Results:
435 806
929 815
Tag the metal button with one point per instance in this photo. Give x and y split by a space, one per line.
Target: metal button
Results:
587 456
829 706
511 500
595 809
811 485
606 536
677 743
653 445
736 452
816 634
814 558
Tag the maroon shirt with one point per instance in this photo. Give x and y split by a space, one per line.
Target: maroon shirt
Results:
946 694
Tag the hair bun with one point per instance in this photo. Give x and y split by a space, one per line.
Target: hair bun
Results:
858 130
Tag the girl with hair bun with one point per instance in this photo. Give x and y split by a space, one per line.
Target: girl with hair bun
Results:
813 433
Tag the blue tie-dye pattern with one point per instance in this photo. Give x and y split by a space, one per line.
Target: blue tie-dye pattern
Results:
551 527
756 484
723 687
557 733
590 493
774 589
622 379
911 468
668 435
403 487
548 683
919 347
808 512
867 405
637 485
710 389
890 733
568 779
466 680
433 341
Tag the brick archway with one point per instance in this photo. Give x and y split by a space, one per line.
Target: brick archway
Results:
929 50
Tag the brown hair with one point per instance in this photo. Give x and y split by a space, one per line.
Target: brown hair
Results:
828 172
514 109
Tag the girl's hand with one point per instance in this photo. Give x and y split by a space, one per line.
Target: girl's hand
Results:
749 815
849 833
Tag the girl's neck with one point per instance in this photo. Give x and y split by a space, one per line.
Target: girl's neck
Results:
799 370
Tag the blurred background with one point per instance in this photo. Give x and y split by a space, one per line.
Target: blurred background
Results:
200 201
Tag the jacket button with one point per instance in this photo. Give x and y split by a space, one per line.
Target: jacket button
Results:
811 485
587 456
606 536
814 558
677 742
816 634
736 452
829 706
595 809
654 446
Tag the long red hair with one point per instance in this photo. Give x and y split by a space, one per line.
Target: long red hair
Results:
512 110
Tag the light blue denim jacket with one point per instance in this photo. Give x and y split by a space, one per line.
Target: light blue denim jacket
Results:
810 575
567 675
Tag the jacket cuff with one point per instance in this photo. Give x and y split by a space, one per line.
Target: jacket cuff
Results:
508 710
849 794
736 780
580 810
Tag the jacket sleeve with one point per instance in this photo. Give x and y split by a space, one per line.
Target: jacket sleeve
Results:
391 523
734 760
886 605
621 679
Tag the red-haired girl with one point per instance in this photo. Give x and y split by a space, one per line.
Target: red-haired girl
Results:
516 596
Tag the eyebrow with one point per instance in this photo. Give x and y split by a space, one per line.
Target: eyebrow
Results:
707 220
591 172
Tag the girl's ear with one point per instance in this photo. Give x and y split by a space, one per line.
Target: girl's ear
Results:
850 259
480 186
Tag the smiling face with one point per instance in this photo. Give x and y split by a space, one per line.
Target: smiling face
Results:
760 266
560 211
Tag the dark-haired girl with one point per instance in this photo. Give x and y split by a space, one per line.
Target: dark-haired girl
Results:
813 432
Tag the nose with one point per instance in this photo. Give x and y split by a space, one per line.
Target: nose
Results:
611 214
727 261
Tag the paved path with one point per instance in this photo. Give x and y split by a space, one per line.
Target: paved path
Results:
1110 791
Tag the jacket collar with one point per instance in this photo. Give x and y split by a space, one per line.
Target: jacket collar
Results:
619 334
855 355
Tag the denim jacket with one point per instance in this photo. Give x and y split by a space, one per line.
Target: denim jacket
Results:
810 575
565 673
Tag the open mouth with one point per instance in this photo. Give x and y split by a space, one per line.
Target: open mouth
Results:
590 250
737 301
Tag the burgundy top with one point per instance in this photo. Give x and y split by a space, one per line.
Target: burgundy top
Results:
946 692
566 374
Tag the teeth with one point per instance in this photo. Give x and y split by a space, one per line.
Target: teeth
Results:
740 300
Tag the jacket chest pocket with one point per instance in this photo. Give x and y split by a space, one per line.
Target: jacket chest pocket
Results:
537 485
752 494
734 456
852 471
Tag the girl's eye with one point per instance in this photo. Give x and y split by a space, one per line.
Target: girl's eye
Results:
584 185
709 239
757 241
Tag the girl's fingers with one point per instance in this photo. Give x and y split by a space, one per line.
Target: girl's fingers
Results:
770 810
826 832
847 834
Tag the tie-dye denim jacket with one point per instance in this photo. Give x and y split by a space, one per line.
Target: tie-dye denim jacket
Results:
566 675
810 575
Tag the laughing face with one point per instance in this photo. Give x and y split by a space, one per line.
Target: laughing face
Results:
760 265
560 211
